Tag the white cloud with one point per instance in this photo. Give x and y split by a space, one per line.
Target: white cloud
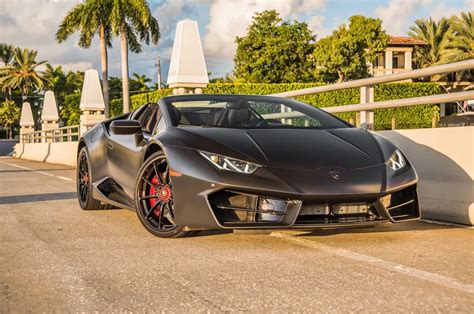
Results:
230 18
397 14
33 23
316 24
78 66
442 9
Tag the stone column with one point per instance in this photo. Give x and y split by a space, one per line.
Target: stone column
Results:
27 123
188 72
367 117
49 114
388 62
92 102
408 60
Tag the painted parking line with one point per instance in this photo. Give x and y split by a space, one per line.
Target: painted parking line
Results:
37 171
391 266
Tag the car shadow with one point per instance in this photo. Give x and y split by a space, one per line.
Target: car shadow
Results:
18 199
381 228
207 233
33 170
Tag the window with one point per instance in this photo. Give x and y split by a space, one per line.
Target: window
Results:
249 112
148 117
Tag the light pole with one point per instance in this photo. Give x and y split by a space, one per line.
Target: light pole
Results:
158 71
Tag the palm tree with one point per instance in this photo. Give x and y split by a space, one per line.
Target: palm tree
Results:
23 73
141 81
437 36
89 18
6 53
462 44
132 20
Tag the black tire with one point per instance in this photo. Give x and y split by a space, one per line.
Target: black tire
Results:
154 198
84 183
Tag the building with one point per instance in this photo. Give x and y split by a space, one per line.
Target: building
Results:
397 56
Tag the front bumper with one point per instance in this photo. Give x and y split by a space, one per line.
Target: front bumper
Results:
206 198
234 209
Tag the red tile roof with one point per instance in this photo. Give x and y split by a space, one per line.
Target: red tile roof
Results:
405 41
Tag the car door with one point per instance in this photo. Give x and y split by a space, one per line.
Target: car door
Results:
125 152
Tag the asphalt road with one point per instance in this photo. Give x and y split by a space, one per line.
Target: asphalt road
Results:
55 257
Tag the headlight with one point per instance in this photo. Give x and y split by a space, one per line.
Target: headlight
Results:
231 164
396 161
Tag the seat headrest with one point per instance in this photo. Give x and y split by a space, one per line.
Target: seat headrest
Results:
238 105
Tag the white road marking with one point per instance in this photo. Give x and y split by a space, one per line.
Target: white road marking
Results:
38 171
409 271
46 174
63 178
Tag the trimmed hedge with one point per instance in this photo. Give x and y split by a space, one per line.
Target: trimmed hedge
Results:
409 117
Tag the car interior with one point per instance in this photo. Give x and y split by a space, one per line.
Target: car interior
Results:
232 114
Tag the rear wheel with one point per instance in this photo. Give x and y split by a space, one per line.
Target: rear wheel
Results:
84 183
154 198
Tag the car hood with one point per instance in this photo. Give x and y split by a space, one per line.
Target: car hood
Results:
347 148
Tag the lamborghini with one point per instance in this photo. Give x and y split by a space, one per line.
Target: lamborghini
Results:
200 162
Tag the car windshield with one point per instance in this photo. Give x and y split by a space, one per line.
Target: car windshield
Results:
248 113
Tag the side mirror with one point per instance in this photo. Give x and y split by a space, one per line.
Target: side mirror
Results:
125 127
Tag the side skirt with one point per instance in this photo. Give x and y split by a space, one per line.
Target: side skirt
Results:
108 191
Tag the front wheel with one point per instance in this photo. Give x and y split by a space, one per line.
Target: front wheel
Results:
154 198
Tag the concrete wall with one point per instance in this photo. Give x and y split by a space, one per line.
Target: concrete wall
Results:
59 153
444 161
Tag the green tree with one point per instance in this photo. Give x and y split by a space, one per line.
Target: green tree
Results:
115 84
274 51
89 18
462 43
461 46
56 79
7 53
69 97
69 110
74 82
437 36
141 82
134 23
228 78
347 51
9 115
23 74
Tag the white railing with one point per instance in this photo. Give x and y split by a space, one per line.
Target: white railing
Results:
397 103
64 134
367 103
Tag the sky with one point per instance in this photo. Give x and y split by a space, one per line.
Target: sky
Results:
33 24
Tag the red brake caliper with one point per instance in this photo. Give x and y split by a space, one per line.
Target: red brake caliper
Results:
152 191
164 193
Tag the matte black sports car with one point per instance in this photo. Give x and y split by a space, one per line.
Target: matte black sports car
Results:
197 162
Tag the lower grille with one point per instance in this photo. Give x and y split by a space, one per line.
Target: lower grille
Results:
235 208
337 213
403 204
